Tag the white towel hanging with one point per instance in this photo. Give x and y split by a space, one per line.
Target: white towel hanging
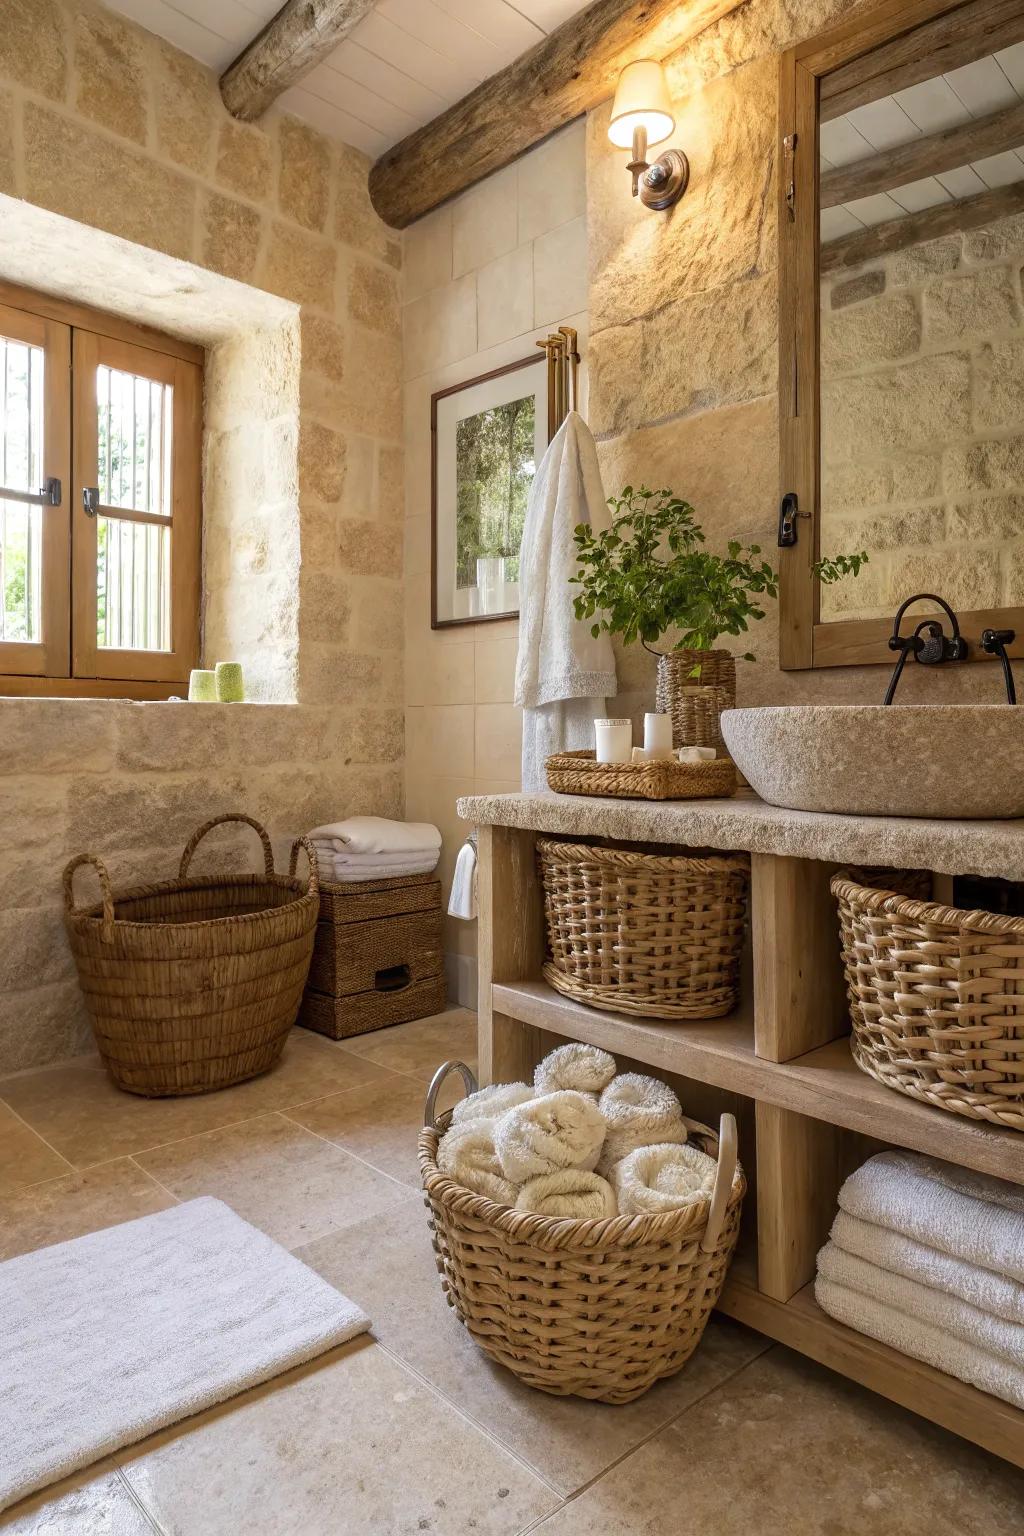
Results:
462 901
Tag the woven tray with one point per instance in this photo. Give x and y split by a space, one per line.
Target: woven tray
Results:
577 773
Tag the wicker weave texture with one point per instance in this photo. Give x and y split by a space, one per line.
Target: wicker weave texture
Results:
578 773
194 983
695 719
648 933
937 1000
595 1309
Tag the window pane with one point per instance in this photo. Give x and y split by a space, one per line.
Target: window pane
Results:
135 428
133 585
21 461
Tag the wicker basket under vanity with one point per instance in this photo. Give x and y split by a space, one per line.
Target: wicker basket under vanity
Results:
936 999
642 931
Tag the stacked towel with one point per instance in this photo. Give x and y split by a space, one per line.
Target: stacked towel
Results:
929 1258
374 848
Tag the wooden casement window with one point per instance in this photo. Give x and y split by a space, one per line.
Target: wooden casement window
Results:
100 492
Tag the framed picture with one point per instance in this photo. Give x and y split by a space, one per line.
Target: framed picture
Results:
487 438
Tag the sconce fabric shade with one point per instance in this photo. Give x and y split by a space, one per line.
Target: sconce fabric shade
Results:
641 101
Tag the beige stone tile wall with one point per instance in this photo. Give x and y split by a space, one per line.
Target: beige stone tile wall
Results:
484 277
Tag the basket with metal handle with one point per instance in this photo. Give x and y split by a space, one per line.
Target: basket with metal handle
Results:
193 984
600 1308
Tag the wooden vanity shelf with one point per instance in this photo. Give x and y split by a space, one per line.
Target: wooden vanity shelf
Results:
783 1054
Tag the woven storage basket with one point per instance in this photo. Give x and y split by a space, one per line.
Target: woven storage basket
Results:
679 673
599 1309
642 931
936 1000
579 773
194 983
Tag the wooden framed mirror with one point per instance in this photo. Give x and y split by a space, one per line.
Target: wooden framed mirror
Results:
901 345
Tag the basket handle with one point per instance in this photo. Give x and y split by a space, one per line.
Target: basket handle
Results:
216 821
107 931
314 867
727 1157
436 1081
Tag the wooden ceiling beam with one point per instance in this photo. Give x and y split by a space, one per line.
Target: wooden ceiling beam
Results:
930 224
572 70
930 156
292 43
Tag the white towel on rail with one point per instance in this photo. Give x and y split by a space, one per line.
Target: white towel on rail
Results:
462 900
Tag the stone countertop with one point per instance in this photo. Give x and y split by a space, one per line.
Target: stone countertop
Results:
745 822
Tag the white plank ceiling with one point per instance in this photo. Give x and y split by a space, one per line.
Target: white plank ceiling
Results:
974 91
405 62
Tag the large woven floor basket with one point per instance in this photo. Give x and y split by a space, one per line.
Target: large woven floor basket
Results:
600 1309
193 984
644 932
936 1000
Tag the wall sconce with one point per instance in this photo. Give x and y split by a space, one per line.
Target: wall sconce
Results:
641 116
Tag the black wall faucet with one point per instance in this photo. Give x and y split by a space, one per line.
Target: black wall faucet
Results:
929 644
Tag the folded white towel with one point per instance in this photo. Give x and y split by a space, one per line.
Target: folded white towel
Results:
363 860
663 1178
640 1112
466 1154
376 834
569 1192
462 901
922 1341
954 1317
901 1255
558 1130
491 1103
344 874
969 1215
585 1068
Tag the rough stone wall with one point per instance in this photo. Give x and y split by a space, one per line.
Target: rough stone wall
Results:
922 398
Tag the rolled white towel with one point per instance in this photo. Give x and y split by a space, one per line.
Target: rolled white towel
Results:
585 1068
639 1112
570 1192
466 1154
491 1103
558 1130
663 1178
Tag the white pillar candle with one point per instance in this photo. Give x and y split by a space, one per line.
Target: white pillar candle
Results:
658 737
613 740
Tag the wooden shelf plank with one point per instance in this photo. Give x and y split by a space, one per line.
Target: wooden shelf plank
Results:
802 1325
824 1084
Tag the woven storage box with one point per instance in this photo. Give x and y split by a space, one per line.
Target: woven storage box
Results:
936 1000
597 1309
642 931
193 984
694 721
379 956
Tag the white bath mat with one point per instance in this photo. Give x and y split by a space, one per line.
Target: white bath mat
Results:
112 1336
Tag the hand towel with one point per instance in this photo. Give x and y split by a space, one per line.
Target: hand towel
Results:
951 1316
639 1112
346 874
922 1341
571 1192
901 1255
462 901
559 660
558 1130
585 1068
969 1215
344 859
491 1103
466 1154
377 834
663 1178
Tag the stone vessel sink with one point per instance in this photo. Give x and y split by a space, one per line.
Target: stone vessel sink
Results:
952 761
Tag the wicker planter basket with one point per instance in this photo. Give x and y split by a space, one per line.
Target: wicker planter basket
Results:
695 719
642 931
936 1000
193 984
597 1309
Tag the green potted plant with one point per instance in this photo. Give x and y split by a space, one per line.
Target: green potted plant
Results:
650 573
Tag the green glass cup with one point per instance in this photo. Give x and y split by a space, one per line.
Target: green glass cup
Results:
230 683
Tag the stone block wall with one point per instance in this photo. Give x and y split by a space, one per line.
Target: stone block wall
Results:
922 402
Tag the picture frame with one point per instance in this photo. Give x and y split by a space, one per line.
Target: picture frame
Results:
487 436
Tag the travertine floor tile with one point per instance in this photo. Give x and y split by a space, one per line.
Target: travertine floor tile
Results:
352 1444
420 1047
788 1449
292 1184
24 1157
97 1502
78 1203
79 1111
387 1266
379 1123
